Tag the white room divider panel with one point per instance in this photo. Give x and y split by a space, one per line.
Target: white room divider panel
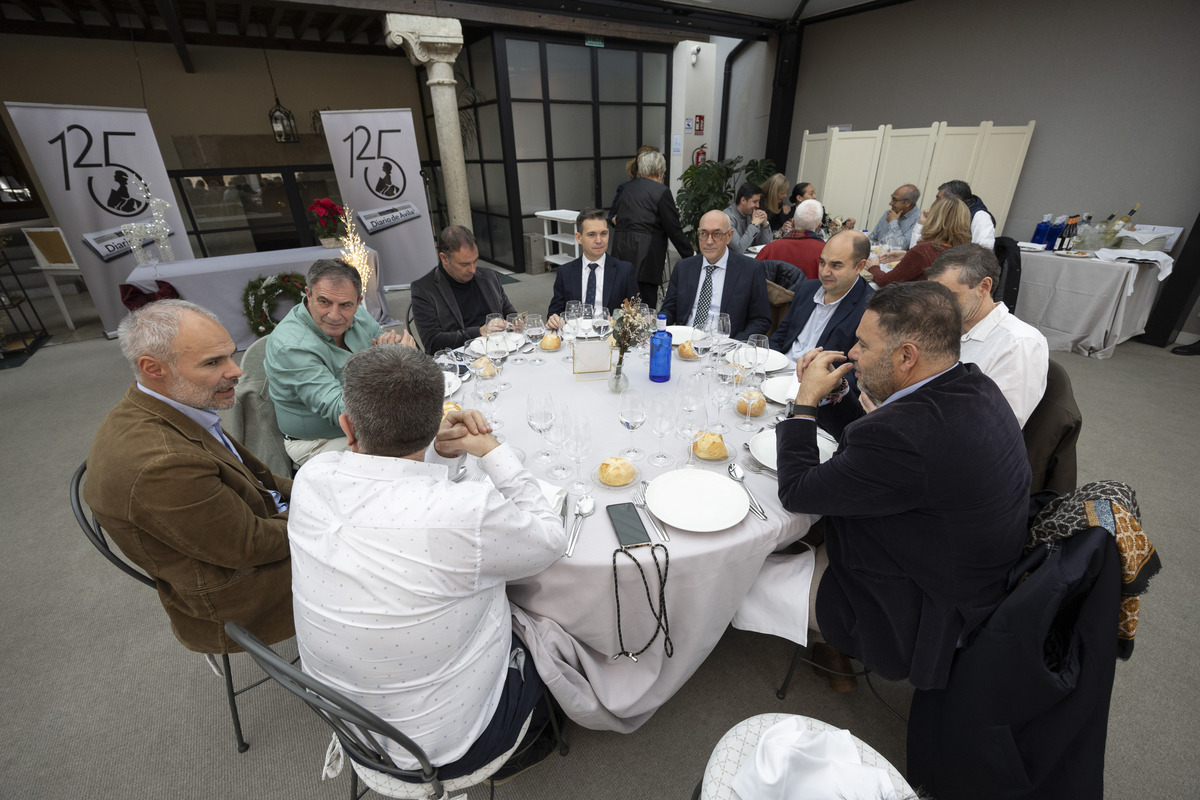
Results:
905 158
855 172
850 175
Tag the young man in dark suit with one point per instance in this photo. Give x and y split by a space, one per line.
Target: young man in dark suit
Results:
596 278
925 500
825 312
718 281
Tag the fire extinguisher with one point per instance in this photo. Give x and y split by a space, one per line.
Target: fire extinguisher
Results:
700 155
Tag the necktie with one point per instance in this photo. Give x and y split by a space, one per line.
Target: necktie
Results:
589 297
705 300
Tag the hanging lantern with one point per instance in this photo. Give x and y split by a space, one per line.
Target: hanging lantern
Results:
283 124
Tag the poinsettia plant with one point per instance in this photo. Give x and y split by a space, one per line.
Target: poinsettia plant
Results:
329 215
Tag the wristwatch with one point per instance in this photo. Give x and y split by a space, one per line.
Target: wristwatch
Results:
791 410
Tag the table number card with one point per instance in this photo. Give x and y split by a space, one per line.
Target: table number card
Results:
590 358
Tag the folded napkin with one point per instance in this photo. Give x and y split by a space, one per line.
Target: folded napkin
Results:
777 602
1142 237
1164 261
554 494
1030 246
792 762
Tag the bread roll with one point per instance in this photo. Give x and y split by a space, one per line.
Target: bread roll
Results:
687 351
710 446
449 406
616 471
551 341
757 404
485 367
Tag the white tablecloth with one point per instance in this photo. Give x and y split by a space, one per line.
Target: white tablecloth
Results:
567 613
1086 306
217 283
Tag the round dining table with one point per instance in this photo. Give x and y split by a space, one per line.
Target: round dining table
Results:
567 613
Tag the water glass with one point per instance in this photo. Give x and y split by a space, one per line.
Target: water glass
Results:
535 329
721 393
689 427
662 422
631 411
751 391
570 329
539 413
555 436
601 321
578 446
516 327
496 347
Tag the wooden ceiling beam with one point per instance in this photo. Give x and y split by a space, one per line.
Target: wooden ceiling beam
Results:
364 22
170 18
141 14
305 21
31 10
70 9
332 26
243 21
210 15
107 13
273 24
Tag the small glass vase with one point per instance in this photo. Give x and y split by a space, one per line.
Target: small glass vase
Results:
618 381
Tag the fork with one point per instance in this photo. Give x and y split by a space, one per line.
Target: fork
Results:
639 500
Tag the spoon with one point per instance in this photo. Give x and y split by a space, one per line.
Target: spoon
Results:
527 347
583 508
735 472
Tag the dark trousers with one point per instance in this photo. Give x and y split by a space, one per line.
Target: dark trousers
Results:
649 293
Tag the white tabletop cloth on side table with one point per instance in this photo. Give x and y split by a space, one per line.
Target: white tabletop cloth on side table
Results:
217 283
567 613
1085 305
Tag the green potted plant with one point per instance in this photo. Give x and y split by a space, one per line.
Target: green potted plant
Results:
713 184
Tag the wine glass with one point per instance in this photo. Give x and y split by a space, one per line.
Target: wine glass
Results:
702 343
555 435
762 351
570 329
751 392
535 329
689 427
721 393
694 392
578 446
631 411
516 326
586 311
539 413
662 422
496 347
601 321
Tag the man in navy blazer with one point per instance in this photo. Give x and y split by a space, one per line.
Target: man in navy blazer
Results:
825 312
739 286
611 281
926 497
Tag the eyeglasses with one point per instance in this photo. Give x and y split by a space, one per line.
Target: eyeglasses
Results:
711 236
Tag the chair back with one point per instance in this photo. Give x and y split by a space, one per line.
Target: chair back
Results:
50 248
1009 285
412 329
95 534
252 420
358 730
1051 434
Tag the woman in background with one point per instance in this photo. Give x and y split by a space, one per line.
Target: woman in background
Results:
806 191
948 224
645 217
775 197
631 171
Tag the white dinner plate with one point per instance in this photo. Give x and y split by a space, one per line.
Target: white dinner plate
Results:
762 447
514 341
777 389
452 383
1075 254
680 334
775 359
697 500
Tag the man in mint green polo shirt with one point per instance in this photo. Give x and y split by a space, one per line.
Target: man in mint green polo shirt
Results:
307 352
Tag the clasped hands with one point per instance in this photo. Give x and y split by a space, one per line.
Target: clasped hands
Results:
464 432
392 337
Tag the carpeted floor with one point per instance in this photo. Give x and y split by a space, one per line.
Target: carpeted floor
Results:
99 700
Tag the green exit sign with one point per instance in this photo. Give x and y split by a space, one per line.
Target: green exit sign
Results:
594 41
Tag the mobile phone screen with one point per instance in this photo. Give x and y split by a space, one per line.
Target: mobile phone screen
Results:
630 530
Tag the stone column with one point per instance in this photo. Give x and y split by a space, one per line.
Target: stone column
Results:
434 42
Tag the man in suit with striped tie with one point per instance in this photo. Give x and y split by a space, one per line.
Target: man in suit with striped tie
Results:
718 281
596 278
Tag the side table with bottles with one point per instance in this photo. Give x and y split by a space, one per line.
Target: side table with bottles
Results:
19 335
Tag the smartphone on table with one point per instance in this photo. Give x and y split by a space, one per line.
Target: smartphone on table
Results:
628 525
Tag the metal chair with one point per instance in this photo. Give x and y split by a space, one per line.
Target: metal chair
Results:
360 734
95 535
53 258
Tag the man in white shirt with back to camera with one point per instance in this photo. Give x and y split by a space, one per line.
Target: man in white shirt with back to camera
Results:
398 573
1014 354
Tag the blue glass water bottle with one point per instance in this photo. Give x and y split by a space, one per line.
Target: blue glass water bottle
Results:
660 352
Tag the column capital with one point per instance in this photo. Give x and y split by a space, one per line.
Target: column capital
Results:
424 39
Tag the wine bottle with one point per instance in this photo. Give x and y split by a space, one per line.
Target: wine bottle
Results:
1123 222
